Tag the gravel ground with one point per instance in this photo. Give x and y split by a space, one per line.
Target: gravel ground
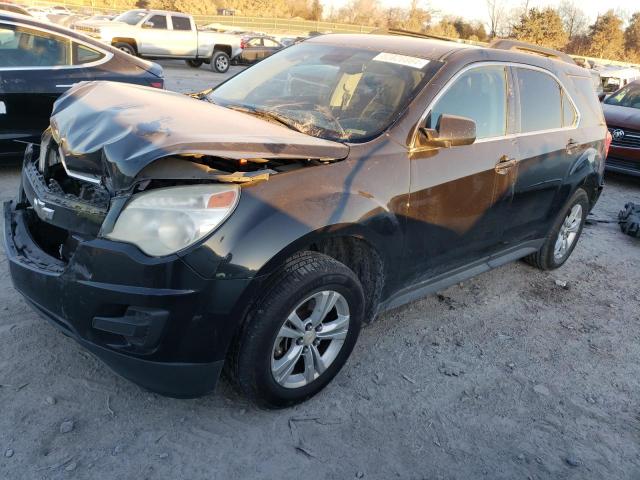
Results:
506 376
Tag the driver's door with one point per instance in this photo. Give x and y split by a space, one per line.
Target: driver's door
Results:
460 195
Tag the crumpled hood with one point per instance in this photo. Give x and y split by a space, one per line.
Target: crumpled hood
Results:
134 125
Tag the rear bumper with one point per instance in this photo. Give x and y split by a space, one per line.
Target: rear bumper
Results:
155 321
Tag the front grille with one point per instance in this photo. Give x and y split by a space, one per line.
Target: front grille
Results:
625 137
620 164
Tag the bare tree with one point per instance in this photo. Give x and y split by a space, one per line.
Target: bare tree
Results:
495 9
573 18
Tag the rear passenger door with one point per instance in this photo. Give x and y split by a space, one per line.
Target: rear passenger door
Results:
183 36
547 145
35 68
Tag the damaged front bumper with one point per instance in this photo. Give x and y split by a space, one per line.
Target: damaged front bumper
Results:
155 321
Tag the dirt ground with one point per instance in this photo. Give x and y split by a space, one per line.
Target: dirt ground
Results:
507 376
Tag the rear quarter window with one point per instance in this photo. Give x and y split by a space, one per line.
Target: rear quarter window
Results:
540 101
586 99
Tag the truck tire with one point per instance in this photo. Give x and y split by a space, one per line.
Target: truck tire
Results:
126 47
629 220
220 62
194 63
299 333
564 234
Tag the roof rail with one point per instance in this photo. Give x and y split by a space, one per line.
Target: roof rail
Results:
409 33
507 44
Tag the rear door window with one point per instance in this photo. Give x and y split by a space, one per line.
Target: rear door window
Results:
540 101
181 23
479 94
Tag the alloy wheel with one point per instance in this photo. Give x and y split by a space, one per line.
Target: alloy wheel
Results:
310 339
568 232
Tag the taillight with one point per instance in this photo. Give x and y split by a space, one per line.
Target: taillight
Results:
157 84
243 43
607 143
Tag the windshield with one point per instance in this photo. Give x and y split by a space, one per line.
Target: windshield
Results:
329 91
132 18
628 96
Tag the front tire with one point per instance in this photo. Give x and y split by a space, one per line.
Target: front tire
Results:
220 62
564 234
300 332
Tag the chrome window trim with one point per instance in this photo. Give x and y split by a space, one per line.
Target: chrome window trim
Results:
472 66
107 55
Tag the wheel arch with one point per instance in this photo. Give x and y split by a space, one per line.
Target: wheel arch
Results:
128 40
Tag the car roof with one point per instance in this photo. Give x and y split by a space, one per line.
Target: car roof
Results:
444 50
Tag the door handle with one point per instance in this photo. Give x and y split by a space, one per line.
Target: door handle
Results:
571 144
505 163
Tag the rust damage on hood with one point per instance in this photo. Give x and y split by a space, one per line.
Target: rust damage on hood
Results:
117 131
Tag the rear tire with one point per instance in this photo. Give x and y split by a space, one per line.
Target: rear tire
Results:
194 63
318 341
564 234
220 62
126 47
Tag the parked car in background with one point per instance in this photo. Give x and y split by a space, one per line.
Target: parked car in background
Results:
13 8
614 78
256 48
622 113
38 12
157 34
39 61
597 84
146 228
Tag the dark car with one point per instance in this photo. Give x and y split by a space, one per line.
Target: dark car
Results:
40 61
257 226
13 8
622 113
257 48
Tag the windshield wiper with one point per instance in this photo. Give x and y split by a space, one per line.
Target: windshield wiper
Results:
267 115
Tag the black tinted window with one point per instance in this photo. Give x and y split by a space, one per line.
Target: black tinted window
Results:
159 22
181 23
479 94
540 103
83 54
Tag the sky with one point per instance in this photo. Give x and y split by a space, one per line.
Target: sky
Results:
477 9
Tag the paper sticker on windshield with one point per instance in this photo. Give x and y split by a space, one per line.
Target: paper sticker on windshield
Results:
413 62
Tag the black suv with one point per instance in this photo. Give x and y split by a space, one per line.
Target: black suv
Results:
256 226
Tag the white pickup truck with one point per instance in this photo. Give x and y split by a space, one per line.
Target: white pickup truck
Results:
157 34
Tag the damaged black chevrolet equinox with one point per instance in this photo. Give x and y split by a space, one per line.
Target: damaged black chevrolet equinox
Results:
256 226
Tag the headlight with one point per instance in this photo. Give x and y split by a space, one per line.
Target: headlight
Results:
166 220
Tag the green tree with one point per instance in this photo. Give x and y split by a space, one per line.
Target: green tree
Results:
606 38
541 27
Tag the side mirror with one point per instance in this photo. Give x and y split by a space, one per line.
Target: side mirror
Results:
451 131
602 96
148 25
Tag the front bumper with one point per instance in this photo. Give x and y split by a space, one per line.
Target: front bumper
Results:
623 160
155 321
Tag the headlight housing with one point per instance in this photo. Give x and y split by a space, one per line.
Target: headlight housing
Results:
166 220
